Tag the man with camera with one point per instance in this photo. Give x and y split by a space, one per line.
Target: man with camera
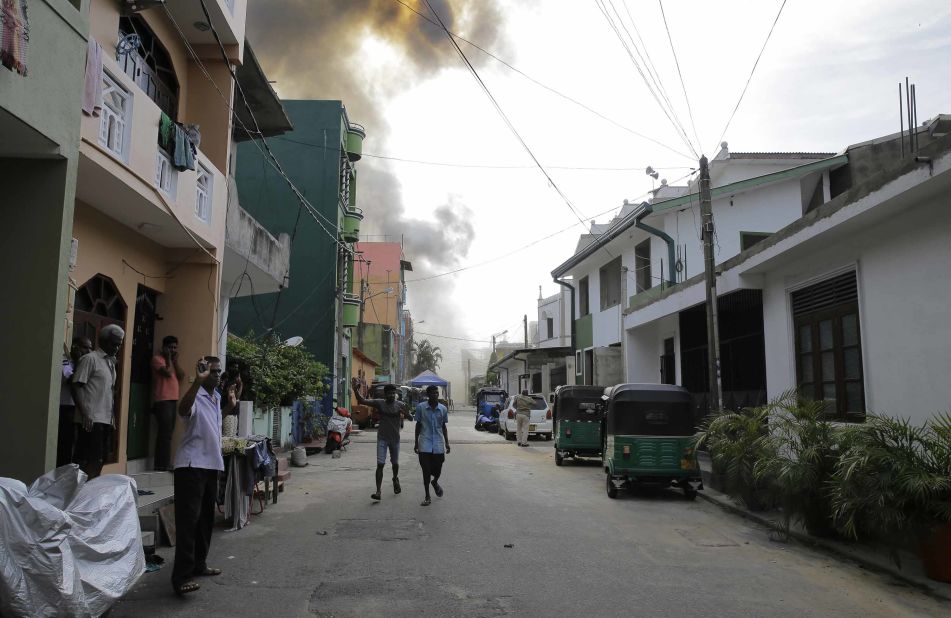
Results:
166 374
198 462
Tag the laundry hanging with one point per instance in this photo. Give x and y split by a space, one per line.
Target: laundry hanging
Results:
183 157
92 92
14 34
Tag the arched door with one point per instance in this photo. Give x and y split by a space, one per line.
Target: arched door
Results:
99 303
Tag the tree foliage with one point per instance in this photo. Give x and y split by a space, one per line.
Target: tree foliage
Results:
277 374
428 356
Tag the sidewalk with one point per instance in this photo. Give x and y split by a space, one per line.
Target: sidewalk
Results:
874 559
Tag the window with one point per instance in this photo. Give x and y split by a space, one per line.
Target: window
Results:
550 324
610 277
583 307
828 346
579 367
164 171
203 188
148 64
116 105
642 266
748 239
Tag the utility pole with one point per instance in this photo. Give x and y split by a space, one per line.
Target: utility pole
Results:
363 292
710 279
525 327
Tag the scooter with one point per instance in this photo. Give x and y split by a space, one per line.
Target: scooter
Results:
338 430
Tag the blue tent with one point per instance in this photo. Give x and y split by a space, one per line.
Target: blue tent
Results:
428 378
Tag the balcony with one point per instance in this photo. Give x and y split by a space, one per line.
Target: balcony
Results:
253 251
227 19
350 231
355 136
127 176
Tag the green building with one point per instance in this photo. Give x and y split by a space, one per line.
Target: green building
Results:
318 156
41 89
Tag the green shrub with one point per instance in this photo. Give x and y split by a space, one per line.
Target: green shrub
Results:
278 374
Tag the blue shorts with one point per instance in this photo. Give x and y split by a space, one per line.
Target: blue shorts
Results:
381 448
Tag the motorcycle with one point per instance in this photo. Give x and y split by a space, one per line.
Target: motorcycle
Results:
338 430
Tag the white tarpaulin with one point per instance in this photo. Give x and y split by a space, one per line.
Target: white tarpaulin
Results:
68 547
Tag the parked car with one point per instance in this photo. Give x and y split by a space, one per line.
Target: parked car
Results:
540 423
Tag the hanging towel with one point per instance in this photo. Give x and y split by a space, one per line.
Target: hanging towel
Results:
14 34
92 93
184 156
165 132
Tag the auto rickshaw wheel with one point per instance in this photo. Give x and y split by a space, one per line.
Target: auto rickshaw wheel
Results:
612 488
559 459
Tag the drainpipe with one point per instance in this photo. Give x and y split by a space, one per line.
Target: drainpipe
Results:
647 209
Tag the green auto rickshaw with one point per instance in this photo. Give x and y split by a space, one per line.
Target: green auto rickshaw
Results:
578 422
648 438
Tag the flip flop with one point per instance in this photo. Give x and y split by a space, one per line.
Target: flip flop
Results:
396 486
426 502
375 497
208 572
437 488
186 588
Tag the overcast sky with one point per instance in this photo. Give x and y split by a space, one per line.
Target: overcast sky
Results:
828 78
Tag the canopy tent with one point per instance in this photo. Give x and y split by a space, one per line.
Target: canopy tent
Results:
429 378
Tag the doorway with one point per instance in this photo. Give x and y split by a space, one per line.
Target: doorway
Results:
140 374
99 303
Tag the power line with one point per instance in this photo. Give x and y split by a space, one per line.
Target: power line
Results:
753 70
504 116
416 332
546 87
683 86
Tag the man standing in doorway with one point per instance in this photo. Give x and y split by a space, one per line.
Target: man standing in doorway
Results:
432 441
166 374
391 413
523 414
67 406
94 385
198 463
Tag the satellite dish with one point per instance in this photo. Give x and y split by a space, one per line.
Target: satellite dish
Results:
293 342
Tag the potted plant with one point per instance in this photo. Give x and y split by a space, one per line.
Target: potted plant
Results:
803 450
735 441
894 482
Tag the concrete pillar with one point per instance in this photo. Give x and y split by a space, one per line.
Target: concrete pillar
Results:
546 379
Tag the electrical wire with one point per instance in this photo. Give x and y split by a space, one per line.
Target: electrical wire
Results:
546 87
417 332
683 86
504 116
753 70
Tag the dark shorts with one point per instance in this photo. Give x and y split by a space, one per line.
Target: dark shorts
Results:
165 407
96 445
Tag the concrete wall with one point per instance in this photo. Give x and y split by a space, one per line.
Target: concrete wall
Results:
645 346
608 369
904 285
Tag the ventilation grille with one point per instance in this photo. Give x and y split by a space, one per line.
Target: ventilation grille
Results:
826 294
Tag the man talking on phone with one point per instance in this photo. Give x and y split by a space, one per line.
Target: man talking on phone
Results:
198 462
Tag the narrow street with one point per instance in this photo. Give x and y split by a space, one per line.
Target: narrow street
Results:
326 549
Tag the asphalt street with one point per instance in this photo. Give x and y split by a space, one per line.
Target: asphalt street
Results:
513 535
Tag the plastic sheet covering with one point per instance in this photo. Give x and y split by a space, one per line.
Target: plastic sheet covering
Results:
68 547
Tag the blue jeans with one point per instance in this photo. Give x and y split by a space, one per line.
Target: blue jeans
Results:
394 448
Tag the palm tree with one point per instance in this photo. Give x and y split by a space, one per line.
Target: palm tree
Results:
428 356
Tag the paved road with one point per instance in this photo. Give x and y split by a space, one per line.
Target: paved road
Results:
327 550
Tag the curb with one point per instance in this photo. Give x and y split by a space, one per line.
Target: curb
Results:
817 543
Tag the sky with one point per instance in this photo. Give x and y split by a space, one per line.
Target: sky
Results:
445 172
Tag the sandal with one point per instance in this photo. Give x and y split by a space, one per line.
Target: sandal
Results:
187 587
207 572
396 486
426 502
375 497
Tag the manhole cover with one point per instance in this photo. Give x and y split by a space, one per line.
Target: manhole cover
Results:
705 538
379 529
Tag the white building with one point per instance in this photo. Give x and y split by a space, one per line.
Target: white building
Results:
554 320
845 299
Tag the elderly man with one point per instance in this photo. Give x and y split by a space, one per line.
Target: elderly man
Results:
94 383
391 413
198 462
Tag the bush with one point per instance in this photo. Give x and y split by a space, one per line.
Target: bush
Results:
278 374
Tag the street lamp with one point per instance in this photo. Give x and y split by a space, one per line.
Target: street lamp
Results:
497 335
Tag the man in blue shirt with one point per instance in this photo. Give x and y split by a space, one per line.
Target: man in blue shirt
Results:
432 440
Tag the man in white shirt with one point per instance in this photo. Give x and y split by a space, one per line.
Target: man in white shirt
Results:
198 462
95 381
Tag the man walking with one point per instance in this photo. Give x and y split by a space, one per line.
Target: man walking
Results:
432 441
391 413
67 406
94 383
166 374
523 414
198 462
